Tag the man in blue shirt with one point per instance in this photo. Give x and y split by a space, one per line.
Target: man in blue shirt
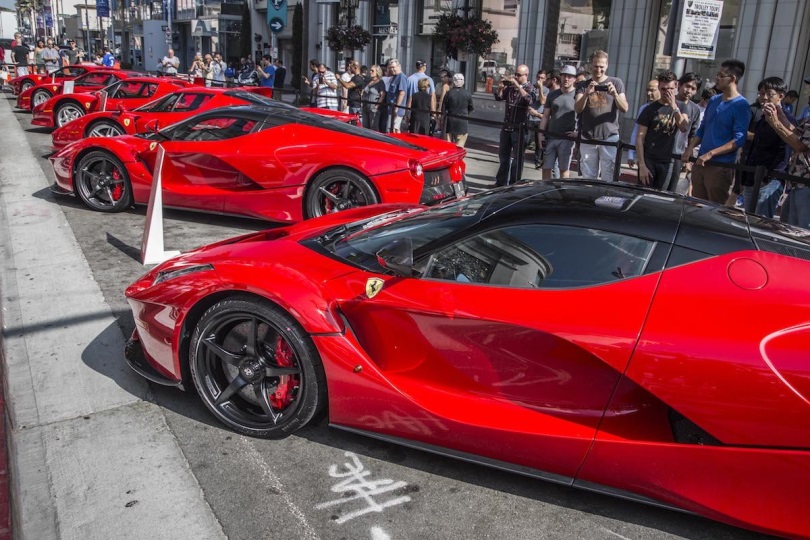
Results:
267 73
108 60
722 133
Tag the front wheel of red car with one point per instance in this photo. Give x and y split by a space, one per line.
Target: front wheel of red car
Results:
256 369
338 189
25 86
102 182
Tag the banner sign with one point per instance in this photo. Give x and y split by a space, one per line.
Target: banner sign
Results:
700 26
276 15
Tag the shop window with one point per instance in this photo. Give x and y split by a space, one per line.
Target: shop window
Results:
505 18
579 28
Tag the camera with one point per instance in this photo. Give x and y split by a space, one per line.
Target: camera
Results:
601 88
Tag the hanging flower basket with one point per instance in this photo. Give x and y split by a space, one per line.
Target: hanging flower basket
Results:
465 35
353 38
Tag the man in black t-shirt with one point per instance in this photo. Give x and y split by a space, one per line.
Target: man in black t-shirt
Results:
278 82
354 86
19 55
657 126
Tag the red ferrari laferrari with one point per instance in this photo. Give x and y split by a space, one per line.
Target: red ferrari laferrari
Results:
607 337
92 80
168 110
67 73
270 161
128 93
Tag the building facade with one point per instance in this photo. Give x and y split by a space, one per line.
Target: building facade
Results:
771 37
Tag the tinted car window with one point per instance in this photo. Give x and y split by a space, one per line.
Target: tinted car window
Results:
542 256
218 128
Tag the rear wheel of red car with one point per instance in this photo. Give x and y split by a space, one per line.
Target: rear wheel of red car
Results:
338 189
68 112
256 369
104 128
102 182
39 96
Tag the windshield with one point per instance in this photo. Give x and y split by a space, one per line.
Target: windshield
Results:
357 243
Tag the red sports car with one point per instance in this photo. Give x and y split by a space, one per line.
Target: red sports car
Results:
601 336
92 80
168 110
271 162
128 93
67 73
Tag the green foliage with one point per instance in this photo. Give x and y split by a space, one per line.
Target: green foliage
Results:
465 34
298 45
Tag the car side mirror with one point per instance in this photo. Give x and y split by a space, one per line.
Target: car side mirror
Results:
397 256
152 125
121 107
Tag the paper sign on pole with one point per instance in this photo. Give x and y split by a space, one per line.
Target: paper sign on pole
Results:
152 250
700 26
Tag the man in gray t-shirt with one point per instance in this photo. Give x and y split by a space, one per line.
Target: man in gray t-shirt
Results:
559 117
598 102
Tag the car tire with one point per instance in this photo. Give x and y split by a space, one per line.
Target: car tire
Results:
26 85
236 379
102 182
104 128
39 96
67 112
338 189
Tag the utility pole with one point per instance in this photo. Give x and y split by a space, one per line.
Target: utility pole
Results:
87 32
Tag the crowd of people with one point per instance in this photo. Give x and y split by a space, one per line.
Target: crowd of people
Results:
389 101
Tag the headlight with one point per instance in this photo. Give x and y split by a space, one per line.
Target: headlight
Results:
166 275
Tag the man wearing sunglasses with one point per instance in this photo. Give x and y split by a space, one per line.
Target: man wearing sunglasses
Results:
724 130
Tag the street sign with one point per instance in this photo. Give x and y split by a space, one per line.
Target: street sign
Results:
277 11
276 25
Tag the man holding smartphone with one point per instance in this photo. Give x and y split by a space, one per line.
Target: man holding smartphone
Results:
598 103
518 94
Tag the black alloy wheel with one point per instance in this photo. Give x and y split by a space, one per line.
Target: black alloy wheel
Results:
102 182
338 189
256 369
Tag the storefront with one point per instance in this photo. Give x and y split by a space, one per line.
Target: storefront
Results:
640 38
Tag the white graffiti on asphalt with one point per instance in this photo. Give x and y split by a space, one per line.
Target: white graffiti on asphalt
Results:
355 481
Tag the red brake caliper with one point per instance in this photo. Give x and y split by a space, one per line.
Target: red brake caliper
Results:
118 190
283 395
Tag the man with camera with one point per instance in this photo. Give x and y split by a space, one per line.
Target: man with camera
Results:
519 95
598 103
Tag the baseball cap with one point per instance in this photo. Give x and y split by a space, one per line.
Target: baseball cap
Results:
420 63
458 79
569 70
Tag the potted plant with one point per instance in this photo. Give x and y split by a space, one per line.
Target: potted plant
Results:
460 34
347 38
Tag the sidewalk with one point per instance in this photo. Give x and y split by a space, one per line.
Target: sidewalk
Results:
90 455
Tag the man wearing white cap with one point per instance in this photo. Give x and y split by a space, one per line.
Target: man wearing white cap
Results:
457 104
559 117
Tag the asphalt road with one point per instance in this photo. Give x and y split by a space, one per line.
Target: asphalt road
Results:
299 487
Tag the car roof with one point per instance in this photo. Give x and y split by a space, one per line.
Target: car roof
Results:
626 209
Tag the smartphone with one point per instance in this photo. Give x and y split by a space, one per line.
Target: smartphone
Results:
601 88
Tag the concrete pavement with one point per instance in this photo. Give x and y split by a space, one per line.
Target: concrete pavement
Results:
90 455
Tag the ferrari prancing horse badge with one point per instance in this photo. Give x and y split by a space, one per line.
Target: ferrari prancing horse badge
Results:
373 286
126 122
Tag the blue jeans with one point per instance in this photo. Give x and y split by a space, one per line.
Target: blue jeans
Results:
768 197
796 210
